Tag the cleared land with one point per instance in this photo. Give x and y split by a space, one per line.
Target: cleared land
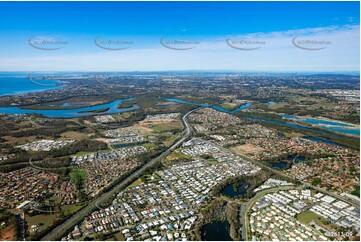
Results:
162 127
74 135
143 129
247 149
43 221
175 157
7 233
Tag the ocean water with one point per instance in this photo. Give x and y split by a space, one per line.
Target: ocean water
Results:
19 83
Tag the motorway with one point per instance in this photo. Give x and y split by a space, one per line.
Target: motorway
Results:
58 232
65 227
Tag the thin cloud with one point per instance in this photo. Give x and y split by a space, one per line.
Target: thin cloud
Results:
277 54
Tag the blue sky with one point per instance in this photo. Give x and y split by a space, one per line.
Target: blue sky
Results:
273 24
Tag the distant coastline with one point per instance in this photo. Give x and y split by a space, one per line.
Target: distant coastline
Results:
16 85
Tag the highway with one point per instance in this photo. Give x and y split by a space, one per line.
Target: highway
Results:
58 232
61 230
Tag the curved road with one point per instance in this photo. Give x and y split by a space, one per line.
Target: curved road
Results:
58 232
248 204
344 199
66 226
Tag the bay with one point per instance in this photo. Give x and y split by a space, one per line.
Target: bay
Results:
20 84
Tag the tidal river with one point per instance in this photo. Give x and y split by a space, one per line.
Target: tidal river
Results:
326 125
111 108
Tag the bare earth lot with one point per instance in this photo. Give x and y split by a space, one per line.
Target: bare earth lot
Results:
247 149
7 233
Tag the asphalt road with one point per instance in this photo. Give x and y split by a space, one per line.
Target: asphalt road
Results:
58 232
344 199
247 205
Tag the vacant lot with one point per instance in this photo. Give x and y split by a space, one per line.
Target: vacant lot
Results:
70 209
42 221
142 129
162 127
247 149
19 140
7 233
74 135
119 236
177 156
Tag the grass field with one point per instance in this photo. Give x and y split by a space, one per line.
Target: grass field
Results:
76 174
147 178
83 153
19 140
293 135
70 209
136 183
149 146
123 116
307 216
276 106
42 220
230 106
74 135
175 156
162 127
56 199
81 173
119 236
170 140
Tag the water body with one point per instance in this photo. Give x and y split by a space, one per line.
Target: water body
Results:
271 103
216 231
296 158
11 84
70 104
241 190
238 109
111 107
315 121
292 125
329 125
279 165
344 130
323 141
242 107
326 141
